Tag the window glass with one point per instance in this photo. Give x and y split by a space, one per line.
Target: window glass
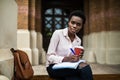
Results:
58 11
49 11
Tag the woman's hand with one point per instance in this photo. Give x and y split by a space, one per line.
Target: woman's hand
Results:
81 55
72 58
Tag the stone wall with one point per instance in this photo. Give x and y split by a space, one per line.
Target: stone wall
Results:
8 36
102 31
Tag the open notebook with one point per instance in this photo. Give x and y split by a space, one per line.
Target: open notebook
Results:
69 65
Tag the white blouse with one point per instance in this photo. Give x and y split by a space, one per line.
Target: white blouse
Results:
60 45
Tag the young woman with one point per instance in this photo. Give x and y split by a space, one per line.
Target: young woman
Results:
59 50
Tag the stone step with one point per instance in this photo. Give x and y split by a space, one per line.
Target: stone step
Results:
96 77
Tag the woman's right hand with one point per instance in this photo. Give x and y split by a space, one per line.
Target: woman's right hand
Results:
72 58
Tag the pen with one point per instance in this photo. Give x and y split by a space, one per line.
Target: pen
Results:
72 51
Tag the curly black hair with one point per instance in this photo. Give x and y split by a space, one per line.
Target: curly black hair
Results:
79 14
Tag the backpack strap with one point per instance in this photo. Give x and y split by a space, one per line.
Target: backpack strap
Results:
13 51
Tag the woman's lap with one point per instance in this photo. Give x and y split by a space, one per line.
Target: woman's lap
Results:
61 72
84 73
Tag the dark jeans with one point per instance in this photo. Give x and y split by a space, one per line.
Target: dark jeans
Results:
70 74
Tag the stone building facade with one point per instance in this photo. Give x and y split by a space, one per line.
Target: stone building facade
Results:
21 25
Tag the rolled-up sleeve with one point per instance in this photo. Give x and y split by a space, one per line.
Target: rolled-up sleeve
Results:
55 59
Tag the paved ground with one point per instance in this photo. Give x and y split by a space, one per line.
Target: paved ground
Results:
96 68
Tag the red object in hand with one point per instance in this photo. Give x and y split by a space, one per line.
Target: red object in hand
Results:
78 50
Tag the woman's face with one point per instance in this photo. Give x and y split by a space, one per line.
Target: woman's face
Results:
75 24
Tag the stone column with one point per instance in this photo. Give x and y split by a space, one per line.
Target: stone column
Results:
113 39
33 34
23 34
38 25
97 36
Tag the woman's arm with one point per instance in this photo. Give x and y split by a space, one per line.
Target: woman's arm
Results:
51 53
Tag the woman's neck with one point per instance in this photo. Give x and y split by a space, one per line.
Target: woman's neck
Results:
71 36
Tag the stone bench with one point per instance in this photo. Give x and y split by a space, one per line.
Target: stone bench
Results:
6 64
39 70
100 72
2 77
96 68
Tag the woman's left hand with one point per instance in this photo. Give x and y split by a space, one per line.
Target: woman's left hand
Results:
81 55
74 58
